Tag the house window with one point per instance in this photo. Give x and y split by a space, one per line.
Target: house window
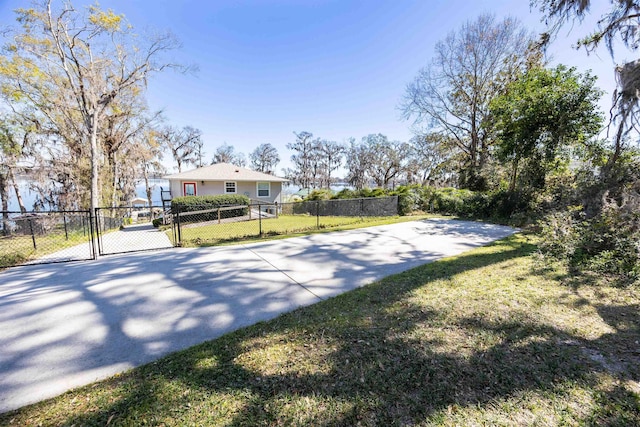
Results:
189 188
264 189
230 187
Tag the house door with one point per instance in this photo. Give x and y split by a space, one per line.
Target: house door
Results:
189 188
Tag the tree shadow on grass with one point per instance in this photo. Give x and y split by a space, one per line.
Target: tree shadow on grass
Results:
370 357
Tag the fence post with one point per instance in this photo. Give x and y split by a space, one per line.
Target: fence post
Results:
276 209
93 222
33 235
179 231
173 231
64 220
318 214
260 219
218 215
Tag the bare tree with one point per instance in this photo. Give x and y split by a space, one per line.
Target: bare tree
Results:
145 156
184 144
126 122
71 66
264 158
387 159
430 159
330 156
451 95
357 159
303 160
226 154
12 151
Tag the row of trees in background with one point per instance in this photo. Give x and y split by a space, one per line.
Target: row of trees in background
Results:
73 83
374 161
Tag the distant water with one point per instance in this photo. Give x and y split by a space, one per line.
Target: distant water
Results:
29 197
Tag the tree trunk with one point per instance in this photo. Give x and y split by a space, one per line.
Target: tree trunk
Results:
4 198
95 195
514 174
613 159
148 189
11 178
114 179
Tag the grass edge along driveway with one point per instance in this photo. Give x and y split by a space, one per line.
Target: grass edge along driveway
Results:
490 337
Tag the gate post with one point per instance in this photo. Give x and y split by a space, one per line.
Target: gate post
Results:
33 235
93 233
178 222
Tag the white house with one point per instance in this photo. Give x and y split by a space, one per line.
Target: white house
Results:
225 178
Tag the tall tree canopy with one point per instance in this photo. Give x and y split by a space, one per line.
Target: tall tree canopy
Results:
539 114
621 23
452 94
227 154
264 158
303 160
65 67
185 145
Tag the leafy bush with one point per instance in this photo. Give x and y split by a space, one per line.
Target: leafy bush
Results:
451 201
607 243
203 203
500 205
346 193
411 198
157 222
322 194
375 192
193 203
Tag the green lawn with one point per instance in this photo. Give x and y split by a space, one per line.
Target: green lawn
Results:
203 233
490 337
17 249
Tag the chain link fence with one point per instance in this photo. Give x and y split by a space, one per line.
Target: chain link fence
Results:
233 223
130 229
58 236
45 237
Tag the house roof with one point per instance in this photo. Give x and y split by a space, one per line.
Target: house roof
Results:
224 172
138 201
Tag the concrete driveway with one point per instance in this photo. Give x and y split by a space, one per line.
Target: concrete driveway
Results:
66 325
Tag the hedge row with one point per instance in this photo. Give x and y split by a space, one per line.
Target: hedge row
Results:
500 205
199 203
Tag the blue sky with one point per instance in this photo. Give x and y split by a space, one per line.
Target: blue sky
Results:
336 68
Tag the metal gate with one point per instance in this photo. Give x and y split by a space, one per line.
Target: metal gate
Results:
129 229
38 237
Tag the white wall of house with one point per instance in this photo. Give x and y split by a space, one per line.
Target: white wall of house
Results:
247 188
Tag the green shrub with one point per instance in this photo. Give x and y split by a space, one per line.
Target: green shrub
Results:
479 205
202 203
157 222
410 198
375 192
320 194
451 201
346 193
606 243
